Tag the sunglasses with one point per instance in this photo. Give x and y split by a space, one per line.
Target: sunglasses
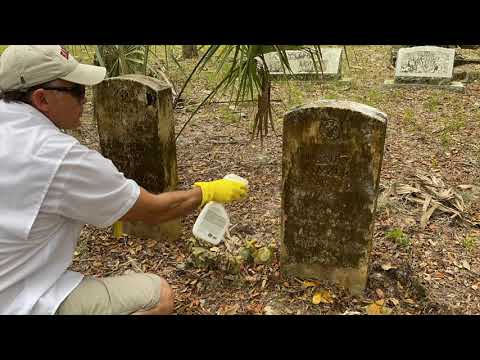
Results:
78 90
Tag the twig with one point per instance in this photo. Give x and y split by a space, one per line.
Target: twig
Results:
241 101
134 263
226 142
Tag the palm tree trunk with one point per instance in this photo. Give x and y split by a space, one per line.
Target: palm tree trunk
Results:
189 51
263 117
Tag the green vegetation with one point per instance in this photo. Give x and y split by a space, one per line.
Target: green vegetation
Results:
470 242
399 237
432 103
451 125
409 118
373 97
228 115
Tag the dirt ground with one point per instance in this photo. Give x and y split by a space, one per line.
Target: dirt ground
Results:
417 267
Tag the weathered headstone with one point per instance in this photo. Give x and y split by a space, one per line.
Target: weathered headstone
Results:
135 122
303 66
425 66
332 157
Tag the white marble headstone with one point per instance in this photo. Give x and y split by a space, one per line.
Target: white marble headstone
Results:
301 63
424 64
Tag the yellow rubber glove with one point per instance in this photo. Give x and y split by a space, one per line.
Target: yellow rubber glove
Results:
222 191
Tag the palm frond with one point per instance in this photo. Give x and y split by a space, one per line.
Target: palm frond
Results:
346 55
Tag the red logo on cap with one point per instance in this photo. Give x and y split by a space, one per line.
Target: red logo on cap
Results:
64 53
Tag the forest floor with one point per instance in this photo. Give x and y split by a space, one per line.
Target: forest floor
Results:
418 264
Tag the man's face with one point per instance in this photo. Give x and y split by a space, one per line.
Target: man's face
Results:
62 105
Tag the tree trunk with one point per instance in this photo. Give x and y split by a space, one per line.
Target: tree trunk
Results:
189 51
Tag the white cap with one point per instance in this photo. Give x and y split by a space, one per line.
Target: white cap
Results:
24 66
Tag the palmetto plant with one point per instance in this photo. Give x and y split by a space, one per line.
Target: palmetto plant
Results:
123 59
128 59
248 74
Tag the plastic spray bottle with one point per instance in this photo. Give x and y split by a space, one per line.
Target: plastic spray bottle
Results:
213 220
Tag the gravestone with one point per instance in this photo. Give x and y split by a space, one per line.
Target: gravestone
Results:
135 122
332 157
303 67
425 66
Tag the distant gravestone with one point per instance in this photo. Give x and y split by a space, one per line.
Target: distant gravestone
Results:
425 66
332 157
303 66
136 127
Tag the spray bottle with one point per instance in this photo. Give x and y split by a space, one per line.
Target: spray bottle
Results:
213 221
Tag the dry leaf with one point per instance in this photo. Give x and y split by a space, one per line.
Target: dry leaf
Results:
317 299
465 264
426 204
426 215
394 301
409 301
310 283
374 309
380 302
380 293
151 243
388 266
386 310
322 297
228 309
406 189
378 308
350 312
270 310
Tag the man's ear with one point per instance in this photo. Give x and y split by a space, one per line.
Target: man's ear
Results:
39 101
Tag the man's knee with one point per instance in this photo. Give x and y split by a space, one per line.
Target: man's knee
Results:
165 302
166 296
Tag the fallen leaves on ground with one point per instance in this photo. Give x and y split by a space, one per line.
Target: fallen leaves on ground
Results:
322 296
378 308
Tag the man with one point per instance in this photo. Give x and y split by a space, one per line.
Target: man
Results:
50 186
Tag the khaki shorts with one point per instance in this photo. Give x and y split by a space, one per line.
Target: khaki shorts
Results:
116 295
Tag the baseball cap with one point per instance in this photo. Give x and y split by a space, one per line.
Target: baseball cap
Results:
24 66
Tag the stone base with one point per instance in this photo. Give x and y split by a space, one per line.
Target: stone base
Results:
327 78
353 279
466 76
304 76
453 85
168 231
344 81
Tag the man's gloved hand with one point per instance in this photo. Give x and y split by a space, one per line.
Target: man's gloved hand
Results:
222 191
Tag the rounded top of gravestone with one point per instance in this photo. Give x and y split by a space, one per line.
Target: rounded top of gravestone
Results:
343 105
413 49
149 81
